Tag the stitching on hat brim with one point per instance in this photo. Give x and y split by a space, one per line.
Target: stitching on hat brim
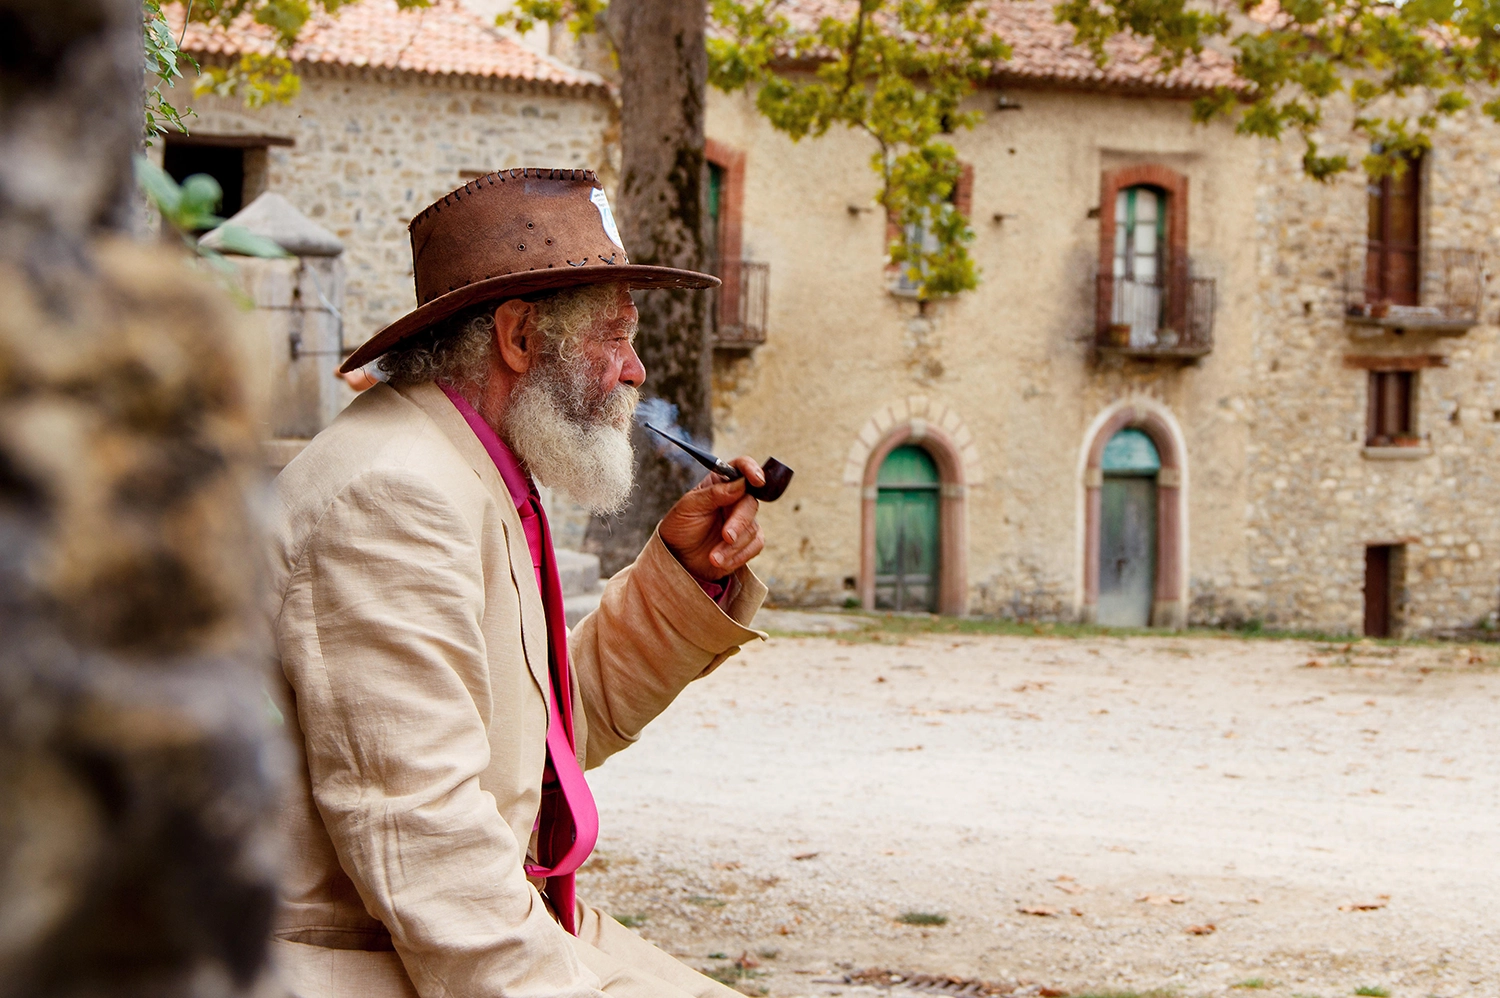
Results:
636 276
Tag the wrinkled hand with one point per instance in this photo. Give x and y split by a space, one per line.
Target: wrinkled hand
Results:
711 530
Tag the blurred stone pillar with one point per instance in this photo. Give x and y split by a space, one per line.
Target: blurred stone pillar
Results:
299 304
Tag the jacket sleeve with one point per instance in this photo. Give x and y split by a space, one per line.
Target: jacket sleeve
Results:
655 631
393 695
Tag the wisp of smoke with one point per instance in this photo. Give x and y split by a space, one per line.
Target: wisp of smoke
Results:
663 415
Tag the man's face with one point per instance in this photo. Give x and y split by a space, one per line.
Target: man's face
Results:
607 362
568 417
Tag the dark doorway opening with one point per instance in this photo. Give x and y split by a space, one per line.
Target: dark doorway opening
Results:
226 164
1384 570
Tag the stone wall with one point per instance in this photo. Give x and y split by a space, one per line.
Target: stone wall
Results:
1316 496
371 149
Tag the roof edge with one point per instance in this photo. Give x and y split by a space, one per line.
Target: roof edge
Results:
489 81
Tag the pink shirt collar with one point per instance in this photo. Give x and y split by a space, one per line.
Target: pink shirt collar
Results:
517 482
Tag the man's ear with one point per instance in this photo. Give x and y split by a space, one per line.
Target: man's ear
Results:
515 334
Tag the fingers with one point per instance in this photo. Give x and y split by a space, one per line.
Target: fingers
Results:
720 493
750 468
729 559
740 533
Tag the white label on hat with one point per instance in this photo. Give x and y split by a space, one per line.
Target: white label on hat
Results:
602 203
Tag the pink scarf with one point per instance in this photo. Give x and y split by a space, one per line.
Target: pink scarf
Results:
568 821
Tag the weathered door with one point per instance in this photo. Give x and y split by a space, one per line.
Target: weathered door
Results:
1393 268
1378 591
1127 531
906 531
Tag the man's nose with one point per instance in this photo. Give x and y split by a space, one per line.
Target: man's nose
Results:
634 372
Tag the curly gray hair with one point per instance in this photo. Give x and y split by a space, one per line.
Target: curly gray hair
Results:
458 350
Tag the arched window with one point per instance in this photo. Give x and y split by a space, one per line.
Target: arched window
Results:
907 531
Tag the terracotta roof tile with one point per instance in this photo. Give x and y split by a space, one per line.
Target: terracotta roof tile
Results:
443 39
1043 51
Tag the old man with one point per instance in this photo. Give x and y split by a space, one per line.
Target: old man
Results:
441 712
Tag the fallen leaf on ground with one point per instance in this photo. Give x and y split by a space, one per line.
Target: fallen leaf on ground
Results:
731 865
1052 993
1253 900
1037 909
1311 664
805 855
1068 888
880 679
1380 902
1164 898
1077 911
1206 929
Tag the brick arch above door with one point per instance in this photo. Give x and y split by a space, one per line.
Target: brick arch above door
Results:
920 415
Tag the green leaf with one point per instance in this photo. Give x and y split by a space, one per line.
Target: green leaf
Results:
159 186
238 239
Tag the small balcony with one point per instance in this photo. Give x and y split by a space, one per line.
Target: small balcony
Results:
1437 290
740 305
1166 319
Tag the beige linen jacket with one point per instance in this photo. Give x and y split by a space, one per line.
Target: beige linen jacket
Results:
412 652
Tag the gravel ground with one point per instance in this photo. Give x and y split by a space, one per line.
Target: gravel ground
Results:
1184 814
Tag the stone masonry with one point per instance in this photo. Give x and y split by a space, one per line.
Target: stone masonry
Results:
371 148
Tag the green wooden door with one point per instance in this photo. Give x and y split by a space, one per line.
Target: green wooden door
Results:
1127 530
906 531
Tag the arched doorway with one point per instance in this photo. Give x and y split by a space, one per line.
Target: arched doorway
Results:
1127 530
908 536
940 433
1142 473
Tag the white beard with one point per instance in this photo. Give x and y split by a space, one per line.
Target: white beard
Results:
574 444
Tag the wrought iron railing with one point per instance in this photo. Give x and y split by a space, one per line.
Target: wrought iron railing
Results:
1405 287
740 310
1167 318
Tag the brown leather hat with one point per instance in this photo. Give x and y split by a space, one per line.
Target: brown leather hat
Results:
513 233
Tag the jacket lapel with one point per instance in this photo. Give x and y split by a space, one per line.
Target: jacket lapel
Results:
431 400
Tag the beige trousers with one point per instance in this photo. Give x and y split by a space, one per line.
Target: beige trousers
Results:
630 967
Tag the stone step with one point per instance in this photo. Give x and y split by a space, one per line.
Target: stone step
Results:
579 572
575 608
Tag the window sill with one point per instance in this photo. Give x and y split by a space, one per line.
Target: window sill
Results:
1438 325
1397 453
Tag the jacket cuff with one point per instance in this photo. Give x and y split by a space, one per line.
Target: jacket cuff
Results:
717 630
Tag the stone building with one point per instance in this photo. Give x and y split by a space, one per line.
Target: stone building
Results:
1193 387
396 109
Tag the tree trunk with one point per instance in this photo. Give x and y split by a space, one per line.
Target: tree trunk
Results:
663 75
134 847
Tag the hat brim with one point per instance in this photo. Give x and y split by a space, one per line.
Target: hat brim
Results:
515 285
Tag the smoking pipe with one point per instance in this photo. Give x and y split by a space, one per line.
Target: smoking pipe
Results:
778 475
